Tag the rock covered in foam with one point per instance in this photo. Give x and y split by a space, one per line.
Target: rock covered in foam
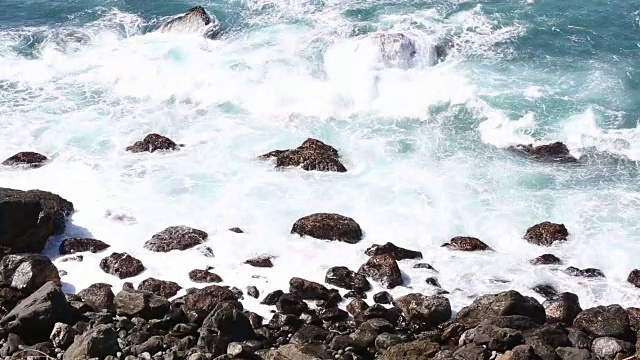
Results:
312 155
382 269
466 243
328 226
152 143
27 158
195 21
634 278
397 49
554 152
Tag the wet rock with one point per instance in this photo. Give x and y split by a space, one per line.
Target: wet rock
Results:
121 265
98 296
634 278
152 143
311 155
578 339
466 243
382 269
546 233
433 282
207 298
546 290
150 346
308 290
396 252
562 309
415 350
546 339
253 292
236 230
260 261
99 342
588 272
333 314
226 322
195 20
356 307
608 348
554 152
387 340
501 304
29 158
78 258
75 245
328 226
62 335
27 272
309 334
546 259
142 304
291 304
383 297
604 321
567 353
34 317
272 298
204 276
424 266
495 338
29 218
428 310
342 277
176 238
162 288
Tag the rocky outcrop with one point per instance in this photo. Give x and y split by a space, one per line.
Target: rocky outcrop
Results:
382 269
152 143
162 288
121 265
204 276
546 259
466 243
546 233
328 226
176 238
75 245
26 158
342 277
554 152
98 296
195 21
27 272
29 218
396 252
311 155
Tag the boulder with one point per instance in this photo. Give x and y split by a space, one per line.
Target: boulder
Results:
546 259
143 304
291 304
29 218
466 243
75 245
309 334
429 311
546 233
206 299
311 155
396 252
501 304
195 21
204 276
26 158
176 238
562 309
308 290
272 298
98 296
121 265
601 321
609 348
260 261
588 272
634 278
496 338
342 277
328 226
152 143
98 342
382 269
415 350
62 335
568 353
554 152
162 288
228 322
27 272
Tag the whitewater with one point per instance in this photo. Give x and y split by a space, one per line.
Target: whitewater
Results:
424 146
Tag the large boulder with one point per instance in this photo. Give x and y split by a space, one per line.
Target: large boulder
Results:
98 296
141 303
382 269
98 342
226 323
562 309
546 233
29 218
311 155
75 245
195 21
176 238
600 321
26 158
152 143
328 226
34 317
121 265
501 304
308 290
27 272
162 288
554 152
429 311
634 278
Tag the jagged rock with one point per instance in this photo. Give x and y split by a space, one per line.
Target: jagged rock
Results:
578 339
608 348
428 310
387 340
546 259
98 342
34 317
546 233
140 303
588 272
152 143
272 298
328 226
554 152
602 321
151 346
260 261
415 350
501 304
396 252
204 276
121 265
176 238
27 272
162 288
333 314
342 277
562 309
98 296
29 218
382 269
308 290
62 335
466 243
291 304
311 155
634 278
207 298
29 158
75 245
546 339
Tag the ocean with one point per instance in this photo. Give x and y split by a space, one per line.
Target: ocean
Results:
425 146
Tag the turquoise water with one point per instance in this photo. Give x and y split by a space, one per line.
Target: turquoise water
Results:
425 147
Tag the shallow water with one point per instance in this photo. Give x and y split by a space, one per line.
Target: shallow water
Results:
424 147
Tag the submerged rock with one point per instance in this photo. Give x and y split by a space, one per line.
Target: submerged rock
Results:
152 143
588 272
74 245
554 152
28 158
121 265
196 20
466 243
546 259
546 233
311 155
176 238
328 226
260 261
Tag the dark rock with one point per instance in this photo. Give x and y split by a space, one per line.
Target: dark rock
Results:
260 261
546 233
356 307
34 317
299 352
309 334
29 218
98 342
122 265
546 259
272 298
355 295
98 296
428 310
562 309
602 321
634 318
396 252
62 335
152 143
162 288
39 350
501 304
383 297
253 292
466 243
207 298
609 348
495 338
382 269
415 350
433 282
328 226
387 340
333 314
142 304
588 272
546 339
32 159
291 304
554 152
308 290
520 352
279 321
75 245
546 290
634 278
227 322
578 339
78 258
311 155
236 230
176 238
27 272
471 352
517 322
568 353
342 277
127 286
424 266
9 298
204 276
151 346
